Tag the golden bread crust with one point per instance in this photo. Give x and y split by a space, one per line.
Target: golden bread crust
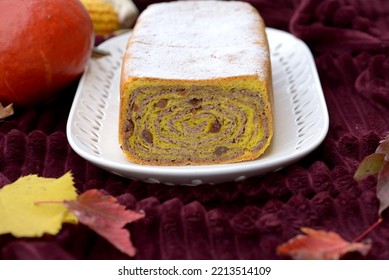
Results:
201 70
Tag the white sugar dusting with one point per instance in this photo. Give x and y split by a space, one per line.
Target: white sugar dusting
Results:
195 40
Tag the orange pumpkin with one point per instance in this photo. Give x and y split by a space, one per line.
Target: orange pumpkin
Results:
44 47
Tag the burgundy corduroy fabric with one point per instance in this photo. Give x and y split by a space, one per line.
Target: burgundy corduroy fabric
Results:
246 220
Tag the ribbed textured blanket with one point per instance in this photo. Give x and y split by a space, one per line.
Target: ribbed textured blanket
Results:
247 220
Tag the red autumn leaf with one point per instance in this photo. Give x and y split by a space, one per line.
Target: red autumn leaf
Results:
105 216
320 245
383 148
383 188
377 164
383 176
6 111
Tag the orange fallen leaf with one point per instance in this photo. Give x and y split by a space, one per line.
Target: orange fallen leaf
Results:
320 245
6 111
106 217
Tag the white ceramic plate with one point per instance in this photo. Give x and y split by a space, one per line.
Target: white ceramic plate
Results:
301 117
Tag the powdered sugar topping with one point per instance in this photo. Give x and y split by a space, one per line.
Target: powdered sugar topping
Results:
194 40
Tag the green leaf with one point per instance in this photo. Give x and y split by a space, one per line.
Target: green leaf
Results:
370 165
383 188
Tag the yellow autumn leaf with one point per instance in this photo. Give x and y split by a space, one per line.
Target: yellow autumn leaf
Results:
22 216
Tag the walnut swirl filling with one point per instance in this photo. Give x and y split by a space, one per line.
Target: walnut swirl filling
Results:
194 125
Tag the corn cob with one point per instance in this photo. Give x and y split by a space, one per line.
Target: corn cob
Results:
110 15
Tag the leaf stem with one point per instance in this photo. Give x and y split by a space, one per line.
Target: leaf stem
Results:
367 231
48 202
